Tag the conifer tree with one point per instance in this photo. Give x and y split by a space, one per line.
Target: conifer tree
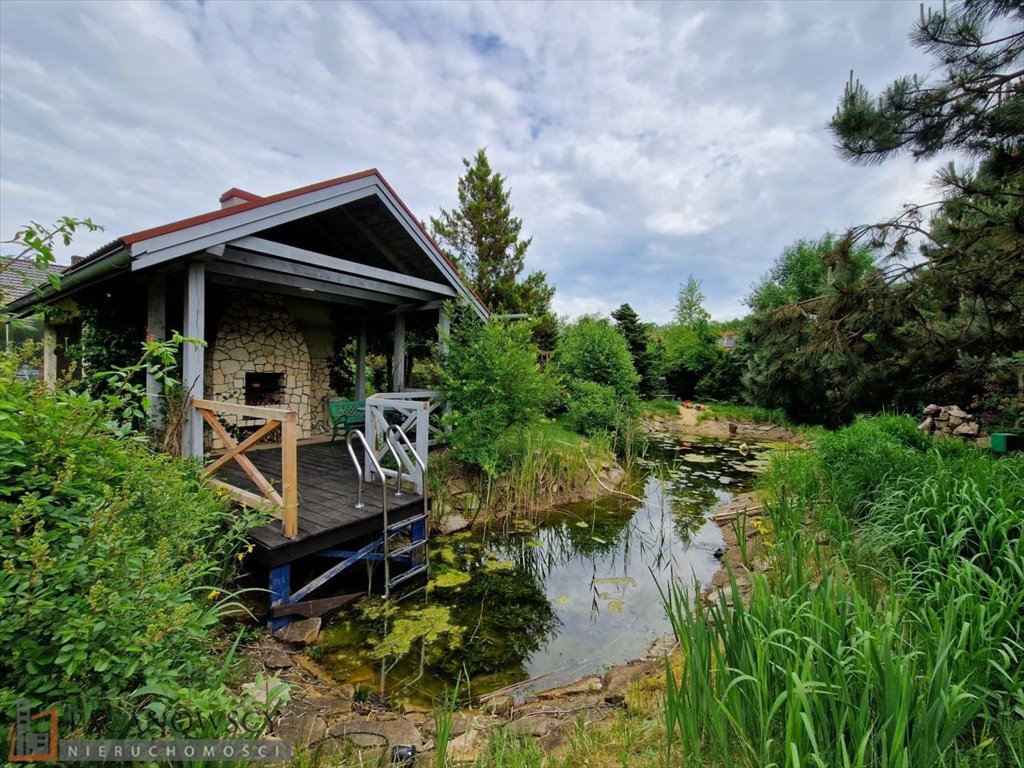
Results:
483 238
639 343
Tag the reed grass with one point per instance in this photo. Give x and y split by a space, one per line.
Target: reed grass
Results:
889 632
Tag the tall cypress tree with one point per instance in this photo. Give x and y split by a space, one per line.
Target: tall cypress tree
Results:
482 237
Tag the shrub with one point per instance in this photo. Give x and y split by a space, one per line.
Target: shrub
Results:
592 350
493 384
113 558
593 408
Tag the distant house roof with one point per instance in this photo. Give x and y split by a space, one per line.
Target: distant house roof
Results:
22 277
361 211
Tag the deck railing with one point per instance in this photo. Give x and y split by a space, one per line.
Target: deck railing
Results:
411 411
283 504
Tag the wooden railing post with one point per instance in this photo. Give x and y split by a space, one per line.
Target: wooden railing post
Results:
290 475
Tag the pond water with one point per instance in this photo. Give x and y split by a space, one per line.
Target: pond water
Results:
570 596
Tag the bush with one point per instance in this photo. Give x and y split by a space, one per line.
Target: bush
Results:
591 349
593 408
113 556
493 384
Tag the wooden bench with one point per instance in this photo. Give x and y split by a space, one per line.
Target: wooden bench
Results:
346 415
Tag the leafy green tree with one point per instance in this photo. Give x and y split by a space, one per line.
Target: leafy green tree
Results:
483 238
690 342
689 311
639 342
492 379
963 302
591 349
800 273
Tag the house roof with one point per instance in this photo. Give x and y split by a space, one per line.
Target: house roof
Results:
22 277
365 195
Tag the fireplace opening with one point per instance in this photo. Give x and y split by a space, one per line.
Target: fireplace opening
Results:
264 389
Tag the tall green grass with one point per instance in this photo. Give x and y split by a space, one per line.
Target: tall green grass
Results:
889 632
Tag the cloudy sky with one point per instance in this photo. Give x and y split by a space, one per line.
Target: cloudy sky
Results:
641 143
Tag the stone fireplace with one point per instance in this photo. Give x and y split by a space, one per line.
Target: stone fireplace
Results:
260 357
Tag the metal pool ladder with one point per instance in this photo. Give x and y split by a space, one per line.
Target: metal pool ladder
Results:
413 528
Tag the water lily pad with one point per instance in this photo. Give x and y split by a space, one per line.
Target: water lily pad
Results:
562 600
617 581
615 606
582 524
699 458
499 565
599 540
534 543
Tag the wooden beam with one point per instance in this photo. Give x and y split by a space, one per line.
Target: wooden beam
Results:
287 290
243 461
370 235
333 276
398 359
307 284
361 361
444 329
242 447
250 411
292 253
243 496
192 355
156 328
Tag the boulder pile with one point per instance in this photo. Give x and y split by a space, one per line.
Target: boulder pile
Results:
949 421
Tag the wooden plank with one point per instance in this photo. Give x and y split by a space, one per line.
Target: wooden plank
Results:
243 461
243 446
334 263
238 409
192 355
331 276
246 497
289 478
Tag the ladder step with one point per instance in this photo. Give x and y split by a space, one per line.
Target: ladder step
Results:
407 548
406 523
414 571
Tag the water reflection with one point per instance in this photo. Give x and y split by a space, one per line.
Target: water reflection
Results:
575 595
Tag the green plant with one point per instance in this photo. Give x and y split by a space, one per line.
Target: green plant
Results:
593 408
115 560
592 350
495 386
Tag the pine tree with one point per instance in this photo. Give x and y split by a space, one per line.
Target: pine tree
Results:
639 342
963 304
689 311
483 238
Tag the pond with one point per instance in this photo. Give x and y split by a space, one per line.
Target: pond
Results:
545 606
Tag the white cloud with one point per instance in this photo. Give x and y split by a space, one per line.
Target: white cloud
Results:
641 142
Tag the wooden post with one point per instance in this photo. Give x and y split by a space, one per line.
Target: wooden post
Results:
192 355
444 329
398 359
50 356
422 442
280 591
290 475
156 328
361 361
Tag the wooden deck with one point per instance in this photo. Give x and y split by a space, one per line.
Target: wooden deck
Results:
327 498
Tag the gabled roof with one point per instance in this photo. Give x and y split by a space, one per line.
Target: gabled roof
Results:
157 245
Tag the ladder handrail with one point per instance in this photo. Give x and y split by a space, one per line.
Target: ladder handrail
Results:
359 470
423 465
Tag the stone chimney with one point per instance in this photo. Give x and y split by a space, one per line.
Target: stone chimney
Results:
236 196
